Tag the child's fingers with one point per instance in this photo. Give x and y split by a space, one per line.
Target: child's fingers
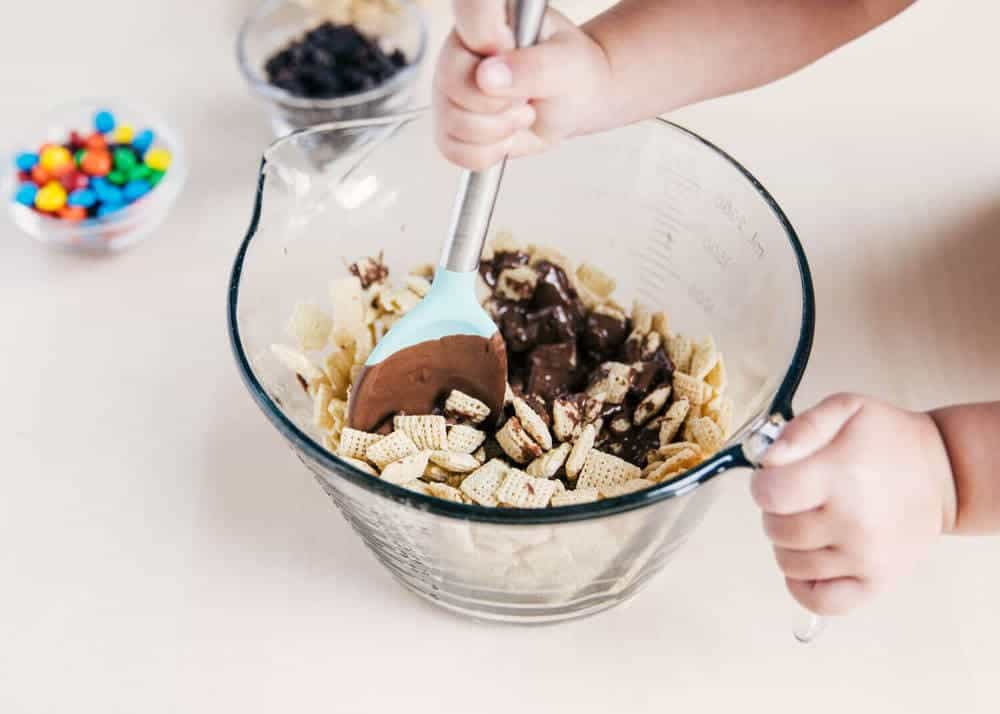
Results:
482 25
472 128
523 143
476 157
819 564
800 531
828 597
455 78
791 489
811 431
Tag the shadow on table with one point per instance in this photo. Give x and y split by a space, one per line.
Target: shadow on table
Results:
934 304
260 508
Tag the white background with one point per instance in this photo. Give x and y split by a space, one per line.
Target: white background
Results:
161 550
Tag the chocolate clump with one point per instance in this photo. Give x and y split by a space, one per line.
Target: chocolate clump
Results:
604 334
557 349
553 369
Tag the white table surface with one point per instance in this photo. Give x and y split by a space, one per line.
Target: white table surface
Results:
161 550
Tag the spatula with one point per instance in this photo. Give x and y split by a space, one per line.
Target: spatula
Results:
447 341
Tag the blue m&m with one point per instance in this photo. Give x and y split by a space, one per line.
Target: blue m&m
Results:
83 197
26 193
26 161
104 121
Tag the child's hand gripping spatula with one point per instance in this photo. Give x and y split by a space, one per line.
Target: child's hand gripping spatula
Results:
447 341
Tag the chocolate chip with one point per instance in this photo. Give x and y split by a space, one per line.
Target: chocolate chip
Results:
552 369
519 334
604 334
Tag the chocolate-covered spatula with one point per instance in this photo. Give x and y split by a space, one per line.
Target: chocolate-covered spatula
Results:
447 341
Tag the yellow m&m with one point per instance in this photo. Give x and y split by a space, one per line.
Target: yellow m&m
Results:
56 160
50 197
123 134
158 159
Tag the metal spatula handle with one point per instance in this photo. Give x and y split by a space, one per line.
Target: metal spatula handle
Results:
477 192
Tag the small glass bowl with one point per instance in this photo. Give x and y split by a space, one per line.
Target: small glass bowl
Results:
117 230
276 22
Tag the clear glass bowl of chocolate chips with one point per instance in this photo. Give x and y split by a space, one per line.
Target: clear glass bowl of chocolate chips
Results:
657 311
315 61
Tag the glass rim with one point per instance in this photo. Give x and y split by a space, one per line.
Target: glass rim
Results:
279 96
731 456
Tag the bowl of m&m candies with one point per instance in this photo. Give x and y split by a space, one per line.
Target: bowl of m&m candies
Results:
98 176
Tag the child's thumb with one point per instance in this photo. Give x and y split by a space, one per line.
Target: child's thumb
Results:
812 430
537 72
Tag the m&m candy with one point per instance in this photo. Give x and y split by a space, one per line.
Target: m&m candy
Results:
26 161
26 193
39 175
72 213
82 197
123 134
158 159
104 121
95 141
135 189
91 175
124 159
51 197
142 141
55 160
96 162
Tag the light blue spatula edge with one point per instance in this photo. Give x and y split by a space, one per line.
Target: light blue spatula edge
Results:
450 308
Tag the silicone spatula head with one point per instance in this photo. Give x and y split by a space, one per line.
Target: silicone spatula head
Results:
447 341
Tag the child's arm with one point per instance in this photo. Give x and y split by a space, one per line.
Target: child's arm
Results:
668 54
637 60
971 436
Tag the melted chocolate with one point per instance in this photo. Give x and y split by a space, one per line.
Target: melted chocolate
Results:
416 379
555 289
634 444
604 334
490 269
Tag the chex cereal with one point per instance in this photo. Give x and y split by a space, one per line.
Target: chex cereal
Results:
640 408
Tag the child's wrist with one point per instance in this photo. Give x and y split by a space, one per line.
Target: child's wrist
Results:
940 462
597 114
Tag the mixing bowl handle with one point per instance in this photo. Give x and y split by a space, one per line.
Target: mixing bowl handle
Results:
477 191
754 448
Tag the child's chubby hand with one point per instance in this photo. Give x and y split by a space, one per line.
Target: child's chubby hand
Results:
853 493
492 100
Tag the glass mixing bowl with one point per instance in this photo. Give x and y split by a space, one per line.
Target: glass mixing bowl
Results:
681 225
